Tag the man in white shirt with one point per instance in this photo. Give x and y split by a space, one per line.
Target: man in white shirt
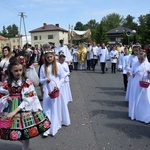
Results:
65 50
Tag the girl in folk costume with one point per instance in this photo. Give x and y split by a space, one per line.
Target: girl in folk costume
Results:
123 66
66 95
51 77
6 52
139 99
132 60
113 58
22 106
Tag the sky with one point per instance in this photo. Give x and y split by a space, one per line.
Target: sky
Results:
65 12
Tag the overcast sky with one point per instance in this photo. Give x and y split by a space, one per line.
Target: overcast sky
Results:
66 12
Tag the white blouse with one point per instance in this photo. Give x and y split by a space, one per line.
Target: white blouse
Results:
4 64
30 101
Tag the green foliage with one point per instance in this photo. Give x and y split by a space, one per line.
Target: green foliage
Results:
100 36
79 26
144 29
10 31
112 21
128 22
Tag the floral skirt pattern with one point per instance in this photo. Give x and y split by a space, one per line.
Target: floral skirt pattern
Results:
26 125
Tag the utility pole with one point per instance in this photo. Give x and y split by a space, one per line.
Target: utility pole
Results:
22 19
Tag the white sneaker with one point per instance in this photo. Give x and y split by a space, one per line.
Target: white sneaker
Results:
45 134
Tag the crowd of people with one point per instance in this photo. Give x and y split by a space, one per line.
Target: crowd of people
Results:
19 100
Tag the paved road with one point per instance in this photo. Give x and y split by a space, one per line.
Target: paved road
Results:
99 118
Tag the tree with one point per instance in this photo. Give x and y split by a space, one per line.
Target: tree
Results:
100 35
92 25
10 31
4 31
79 26
112 21
128 22
145 32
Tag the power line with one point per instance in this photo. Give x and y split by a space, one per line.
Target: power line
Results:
22 19
9 7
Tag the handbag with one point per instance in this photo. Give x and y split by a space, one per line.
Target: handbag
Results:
33 76
6 123
144 84
55 93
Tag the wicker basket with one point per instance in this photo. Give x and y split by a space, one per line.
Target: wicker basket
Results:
55 93
4 123
144 84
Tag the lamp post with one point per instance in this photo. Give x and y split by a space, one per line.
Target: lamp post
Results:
134 36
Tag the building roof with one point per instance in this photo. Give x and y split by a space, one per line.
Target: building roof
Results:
48 27
2 37
119 29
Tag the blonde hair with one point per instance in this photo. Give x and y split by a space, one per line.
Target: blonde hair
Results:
54 65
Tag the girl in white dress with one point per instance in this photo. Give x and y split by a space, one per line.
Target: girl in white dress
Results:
66 95
132 60
142 108
137 72
51 76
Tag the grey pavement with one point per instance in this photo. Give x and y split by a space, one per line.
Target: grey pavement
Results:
99 118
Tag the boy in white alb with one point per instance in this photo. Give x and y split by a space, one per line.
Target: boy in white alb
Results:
123 66
113 58
103 56
94 51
